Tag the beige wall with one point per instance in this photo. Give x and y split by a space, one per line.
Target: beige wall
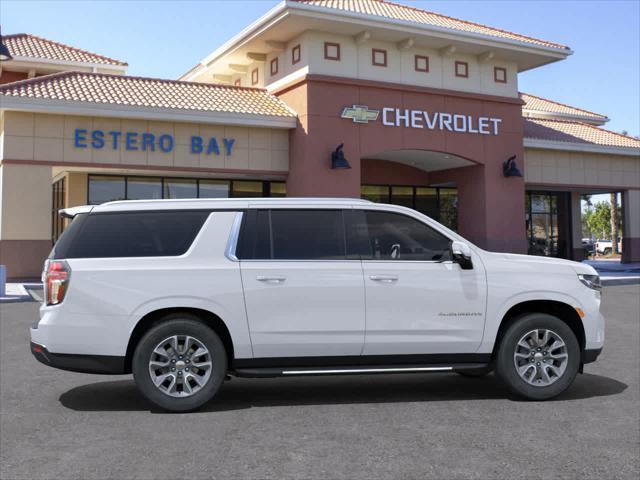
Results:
50 138
355 62
25 200
632 213
76 189
581 169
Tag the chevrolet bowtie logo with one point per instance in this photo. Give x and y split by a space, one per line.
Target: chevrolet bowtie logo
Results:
360 114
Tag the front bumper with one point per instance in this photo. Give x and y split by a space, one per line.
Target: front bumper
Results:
100 364
590 355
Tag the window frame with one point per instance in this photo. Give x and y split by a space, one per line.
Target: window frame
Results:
326 51
296 54
375 51
495 74
273 66
417 58
460 63
255 76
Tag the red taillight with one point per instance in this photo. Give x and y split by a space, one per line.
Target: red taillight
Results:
56 281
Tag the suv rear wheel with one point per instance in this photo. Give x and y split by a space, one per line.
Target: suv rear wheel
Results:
180 364
538 356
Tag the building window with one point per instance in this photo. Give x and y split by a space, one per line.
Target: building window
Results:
462 69
107 188
441 204
421 63
295 54
331 51
378 57
500 74
238 82
274 67
180 188
254 76
58 203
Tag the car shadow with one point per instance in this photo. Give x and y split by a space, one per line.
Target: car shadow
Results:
122 395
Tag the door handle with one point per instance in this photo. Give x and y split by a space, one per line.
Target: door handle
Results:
384 278
273 279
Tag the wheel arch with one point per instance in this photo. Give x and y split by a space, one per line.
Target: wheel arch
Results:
561 310
155 317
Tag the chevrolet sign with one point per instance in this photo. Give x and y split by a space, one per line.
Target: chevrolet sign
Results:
360 114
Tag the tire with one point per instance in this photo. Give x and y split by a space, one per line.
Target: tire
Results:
559 374
474 372
607 251
191 383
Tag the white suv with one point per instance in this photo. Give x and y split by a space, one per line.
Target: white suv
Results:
184 293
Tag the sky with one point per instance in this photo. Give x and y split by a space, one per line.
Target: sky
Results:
166 38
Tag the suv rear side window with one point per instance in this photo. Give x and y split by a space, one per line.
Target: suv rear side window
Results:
293 235
131 234
393 236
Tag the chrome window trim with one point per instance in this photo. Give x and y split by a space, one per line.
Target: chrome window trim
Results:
232 243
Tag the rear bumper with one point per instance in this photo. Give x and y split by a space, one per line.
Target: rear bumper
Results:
590 355
100 364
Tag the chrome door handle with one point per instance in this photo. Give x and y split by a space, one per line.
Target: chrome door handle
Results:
275 279
384 278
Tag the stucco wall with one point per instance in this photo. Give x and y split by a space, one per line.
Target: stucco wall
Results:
554 167
50 138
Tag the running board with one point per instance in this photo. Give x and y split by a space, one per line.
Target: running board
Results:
351 370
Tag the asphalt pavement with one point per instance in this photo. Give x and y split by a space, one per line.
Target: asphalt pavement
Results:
63 425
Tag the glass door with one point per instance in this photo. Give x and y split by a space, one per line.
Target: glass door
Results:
548 228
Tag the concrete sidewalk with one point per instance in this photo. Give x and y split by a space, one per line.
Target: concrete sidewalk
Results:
22 292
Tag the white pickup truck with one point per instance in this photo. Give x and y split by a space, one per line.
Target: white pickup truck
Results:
605 247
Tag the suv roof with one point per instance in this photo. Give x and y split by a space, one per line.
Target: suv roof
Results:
208 203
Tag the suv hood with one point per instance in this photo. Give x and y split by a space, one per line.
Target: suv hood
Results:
542 263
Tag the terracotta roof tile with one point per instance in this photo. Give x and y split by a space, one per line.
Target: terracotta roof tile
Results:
148 92
395 11
545 105
27 45
575 132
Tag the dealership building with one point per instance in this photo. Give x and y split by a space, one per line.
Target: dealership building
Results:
424 109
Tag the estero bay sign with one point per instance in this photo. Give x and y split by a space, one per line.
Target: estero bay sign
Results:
403 117
136 141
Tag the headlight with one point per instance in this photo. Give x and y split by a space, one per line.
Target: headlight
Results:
591 281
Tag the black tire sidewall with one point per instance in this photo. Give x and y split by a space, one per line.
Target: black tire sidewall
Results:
179 324
506 369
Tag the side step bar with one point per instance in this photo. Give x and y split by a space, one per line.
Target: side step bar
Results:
351 370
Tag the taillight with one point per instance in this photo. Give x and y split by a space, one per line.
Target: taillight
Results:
56 281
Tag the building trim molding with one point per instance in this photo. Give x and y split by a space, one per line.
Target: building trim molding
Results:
580 147
158 168
92 109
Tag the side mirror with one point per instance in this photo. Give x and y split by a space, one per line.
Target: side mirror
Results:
461 254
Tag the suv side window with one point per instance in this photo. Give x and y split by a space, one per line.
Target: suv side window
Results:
293 235
393 236
131 234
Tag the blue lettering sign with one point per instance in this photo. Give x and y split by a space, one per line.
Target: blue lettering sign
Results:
97 139
213 147
165 142
132 141
148 141
80 138
196 144
115 136
228 144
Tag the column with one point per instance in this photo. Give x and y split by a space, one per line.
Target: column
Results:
25 218
631 239
577 251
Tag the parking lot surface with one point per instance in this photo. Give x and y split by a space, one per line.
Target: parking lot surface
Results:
56 424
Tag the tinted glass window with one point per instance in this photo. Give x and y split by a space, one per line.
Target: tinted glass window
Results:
213 189
398 237
135 234
142 188
180 188
105 189
293 235
307 235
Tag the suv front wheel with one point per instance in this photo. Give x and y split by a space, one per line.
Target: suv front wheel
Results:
538 356
179 364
